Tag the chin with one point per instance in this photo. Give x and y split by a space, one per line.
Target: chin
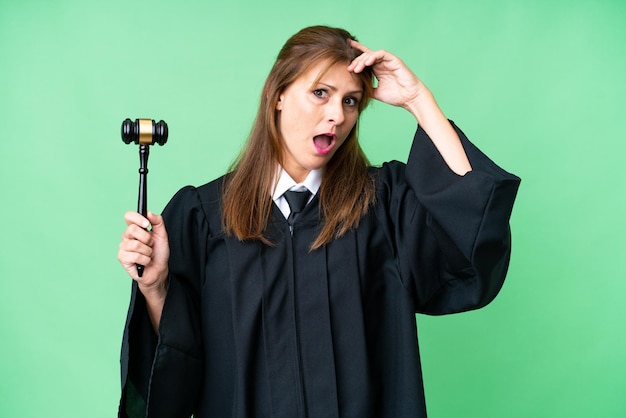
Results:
319 164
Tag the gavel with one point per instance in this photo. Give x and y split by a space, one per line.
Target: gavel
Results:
144 132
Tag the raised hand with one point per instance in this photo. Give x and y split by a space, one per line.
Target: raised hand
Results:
150 249
397 84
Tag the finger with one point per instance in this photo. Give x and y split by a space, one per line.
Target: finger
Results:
357 45
136 218
130 258
367 59
135 232
355 62
359 63
130 253
135 245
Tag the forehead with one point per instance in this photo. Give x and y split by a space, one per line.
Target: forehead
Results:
336 76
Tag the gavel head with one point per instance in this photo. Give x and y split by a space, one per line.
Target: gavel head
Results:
144 132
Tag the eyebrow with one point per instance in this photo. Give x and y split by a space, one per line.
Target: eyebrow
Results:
333 88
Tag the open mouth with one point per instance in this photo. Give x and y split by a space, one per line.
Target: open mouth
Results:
324 143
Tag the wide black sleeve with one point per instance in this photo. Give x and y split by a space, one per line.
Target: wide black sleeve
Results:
452 232
161 376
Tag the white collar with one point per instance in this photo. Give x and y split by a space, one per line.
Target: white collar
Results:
312 182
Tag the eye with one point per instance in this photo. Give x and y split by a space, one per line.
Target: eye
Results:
351 101
321 93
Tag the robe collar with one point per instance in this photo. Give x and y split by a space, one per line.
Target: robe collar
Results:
312 182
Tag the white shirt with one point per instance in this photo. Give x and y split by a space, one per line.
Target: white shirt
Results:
312 183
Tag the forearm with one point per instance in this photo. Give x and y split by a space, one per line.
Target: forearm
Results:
155 299
430 117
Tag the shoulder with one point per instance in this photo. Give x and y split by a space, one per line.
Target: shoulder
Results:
388 174
205 194
199 202
211 192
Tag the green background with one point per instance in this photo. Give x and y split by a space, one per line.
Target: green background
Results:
539 85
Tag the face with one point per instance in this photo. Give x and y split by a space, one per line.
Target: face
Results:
316 117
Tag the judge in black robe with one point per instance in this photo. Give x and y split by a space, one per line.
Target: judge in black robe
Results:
250 330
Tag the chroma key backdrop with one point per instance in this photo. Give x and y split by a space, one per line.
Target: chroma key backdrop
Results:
539 85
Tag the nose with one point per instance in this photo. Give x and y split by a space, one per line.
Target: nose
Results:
335 112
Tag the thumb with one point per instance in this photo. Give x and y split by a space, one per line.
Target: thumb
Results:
156 222
160 240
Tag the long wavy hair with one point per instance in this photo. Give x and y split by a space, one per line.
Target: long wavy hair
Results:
347 190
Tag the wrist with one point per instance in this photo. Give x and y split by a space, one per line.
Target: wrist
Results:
422 104
158 289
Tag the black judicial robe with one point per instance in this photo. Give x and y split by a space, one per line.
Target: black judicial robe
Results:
250 330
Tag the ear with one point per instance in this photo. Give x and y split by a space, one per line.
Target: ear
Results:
279 104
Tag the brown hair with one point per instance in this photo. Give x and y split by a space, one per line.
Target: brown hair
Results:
347 190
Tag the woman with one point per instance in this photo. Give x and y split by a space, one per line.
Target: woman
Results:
251 307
